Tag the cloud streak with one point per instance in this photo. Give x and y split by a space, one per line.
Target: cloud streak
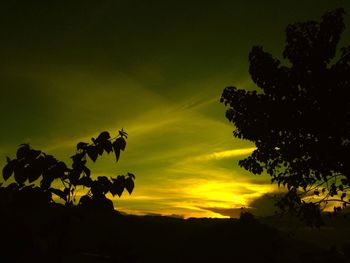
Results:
225 154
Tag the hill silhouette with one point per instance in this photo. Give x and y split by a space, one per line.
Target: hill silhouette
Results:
61 234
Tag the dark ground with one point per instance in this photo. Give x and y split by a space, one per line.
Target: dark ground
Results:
61 235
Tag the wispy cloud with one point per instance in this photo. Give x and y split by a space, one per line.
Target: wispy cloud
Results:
175 147
225 154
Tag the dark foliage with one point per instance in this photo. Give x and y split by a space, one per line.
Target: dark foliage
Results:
299 120
35 172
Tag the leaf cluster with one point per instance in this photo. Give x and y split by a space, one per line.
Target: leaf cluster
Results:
35 171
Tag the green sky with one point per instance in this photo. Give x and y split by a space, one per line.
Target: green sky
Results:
71 69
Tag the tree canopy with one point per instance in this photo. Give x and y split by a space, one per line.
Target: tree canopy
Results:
299 118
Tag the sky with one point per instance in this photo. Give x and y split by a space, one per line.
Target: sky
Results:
72 69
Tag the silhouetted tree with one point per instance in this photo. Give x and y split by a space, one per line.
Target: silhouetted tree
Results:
246 217
299 120
35 172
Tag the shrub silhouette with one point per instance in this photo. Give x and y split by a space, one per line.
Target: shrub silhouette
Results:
247 217
34 173
300 119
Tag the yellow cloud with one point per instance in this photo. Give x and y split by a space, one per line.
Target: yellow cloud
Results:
225 154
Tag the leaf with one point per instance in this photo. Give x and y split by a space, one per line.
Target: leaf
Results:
92 152
61 167
46 182
131 175
129 184
103 179
99 149
96 188
33 173
107 146
118 185
102 142
117 154
34 153
78 165
104 183
74 177
57 171
23 151
49 161
85 201
122 133
103 136
119 143
85 181
78 157
20 175
82 146
8 170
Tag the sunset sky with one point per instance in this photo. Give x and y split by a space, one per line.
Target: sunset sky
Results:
71 69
